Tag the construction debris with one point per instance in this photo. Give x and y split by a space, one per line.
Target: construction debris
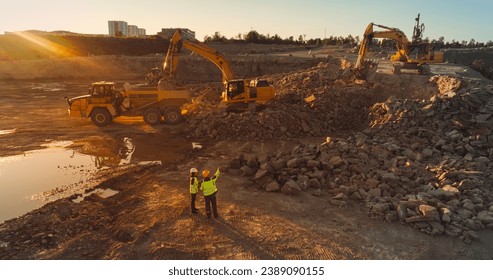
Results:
426 162
309 103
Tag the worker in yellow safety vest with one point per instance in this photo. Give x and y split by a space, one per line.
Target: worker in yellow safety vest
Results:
209 189
194 188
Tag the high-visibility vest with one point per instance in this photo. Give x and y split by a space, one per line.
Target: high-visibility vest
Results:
194 185
208 186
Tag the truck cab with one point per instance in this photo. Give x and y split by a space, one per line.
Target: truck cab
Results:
100 103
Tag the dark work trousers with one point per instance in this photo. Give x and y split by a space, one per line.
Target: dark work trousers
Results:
192 202
211 199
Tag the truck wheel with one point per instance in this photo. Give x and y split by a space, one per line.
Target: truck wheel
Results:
101 116
152 116
172 116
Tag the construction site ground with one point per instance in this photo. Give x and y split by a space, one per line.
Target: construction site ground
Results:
148 217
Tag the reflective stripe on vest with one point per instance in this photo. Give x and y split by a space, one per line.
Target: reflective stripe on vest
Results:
194 185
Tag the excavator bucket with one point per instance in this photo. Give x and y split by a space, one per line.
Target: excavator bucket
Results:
367 69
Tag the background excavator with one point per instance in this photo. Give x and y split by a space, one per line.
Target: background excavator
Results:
236 91
412 55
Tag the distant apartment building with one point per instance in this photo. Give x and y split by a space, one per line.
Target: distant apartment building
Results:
122 29
167 33
142 32
117 28
133 31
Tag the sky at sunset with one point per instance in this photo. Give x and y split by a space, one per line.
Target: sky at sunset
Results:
453 19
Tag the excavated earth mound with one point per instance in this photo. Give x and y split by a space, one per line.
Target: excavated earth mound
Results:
417 150
311 102
425 162
307 103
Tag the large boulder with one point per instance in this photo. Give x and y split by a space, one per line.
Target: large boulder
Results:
291 187
272 186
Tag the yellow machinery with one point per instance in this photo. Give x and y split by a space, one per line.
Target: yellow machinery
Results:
235 90
415 54
104 102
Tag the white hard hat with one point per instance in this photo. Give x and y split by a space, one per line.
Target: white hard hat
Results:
193 170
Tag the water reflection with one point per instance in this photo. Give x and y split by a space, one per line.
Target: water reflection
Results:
30 180
63 169
123 157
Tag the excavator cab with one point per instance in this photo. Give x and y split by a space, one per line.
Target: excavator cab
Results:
235 89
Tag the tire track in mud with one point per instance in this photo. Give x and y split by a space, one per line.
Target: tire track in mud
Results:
248 244
272 237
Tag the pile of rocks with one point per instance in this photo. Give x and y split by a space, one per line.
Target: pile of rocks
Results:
308 103
423 162
464 111
483 67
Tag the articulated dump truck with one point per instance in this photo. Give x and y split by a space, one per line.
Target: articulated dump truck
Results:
104 102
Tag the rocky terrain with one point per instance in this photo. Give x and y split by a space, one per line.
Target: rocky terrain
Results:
422 158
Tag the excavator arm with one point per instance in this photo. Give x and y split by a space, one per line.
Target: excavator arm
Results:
235 90
175 46
394 34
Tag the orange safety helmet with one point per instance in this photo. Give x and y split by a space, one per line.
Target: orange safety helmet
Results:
205 173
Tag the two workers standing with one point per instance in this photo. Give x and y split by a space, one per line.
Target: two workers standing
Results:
208 188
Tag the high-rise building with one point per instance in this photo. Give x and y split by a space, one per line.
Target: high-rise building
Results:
117 28
122 29
133 31
142 32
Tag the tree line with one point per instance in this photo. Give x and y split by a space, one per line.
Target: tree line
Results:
258 38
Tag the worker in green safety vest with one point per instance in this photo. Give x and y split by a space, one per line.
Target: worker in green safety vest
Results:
209 189
194 188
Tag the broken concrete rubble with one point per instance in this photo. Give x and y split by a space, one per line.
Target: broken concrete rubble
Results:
405 167
423 158
289 114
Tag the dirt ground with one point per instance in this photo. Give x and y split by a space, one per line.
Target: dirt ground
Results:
149 217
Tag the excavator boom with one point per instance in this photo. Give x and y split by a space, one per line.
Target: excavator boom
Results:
389 33
177 42
235 90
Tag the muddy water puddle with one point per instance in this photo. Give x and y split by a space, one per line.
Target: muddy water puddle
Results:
63 169
25 178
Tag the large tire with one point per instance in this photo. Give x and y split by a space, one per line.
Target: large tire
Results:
101 117
152 116
172 115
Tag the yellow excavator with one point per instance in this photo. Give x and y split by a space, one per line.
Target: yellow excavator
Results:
410 55
235 90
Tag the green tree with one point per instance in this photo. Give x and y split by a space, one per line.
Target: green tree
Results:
252 36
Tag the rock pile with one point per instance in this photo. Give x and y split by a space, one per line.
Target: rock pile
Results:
308 103
425 162
483 67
